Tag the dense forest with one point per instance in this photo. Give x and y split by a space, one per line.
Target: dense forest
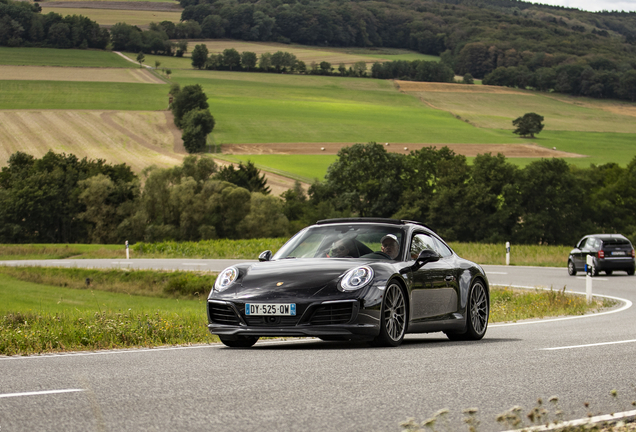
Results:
507 42
60 199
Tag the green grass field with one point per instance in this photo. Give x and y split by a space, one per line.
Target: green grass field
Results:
38 95
262 108
305 168
62 57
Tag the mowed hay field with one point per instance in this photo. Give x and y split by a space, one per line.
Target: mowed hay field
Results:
139 139
309 55
505 104
53 73
110 17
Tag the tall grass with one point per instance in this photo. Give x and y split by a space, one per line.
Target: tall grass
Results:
214 249
38 332
481 253
521 255
59 251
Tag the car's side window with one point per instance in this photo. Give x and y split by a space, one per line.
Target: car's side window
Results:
442 249
421 242
589 244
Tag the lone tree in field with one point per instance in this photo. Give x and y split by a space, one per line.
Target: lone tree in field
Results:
197 125
189 98
199 56
529 124
141 58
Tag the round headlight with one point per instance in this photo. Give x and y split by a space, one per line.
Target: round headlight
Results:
357 278
226 278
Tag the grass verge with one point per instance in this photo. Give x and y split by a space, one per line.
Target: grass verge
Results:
52 309
59 251
36 318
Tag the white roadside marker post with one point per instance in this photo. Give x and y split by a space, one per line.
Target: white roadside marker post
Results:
589 269
507 253
127 251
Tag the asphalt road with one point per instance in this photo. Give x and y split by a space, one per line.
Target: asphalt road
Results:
312 385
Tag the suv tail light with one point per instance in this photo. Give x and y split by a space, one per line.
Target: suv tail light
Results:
633 254
601 254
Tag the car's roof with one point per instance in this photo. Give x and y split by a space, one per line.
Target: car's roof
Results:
606 236
370 221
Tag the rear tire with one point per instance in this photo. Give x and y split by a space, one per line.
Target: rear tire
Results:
393 317
609 272
630 272
477 312
238 341
571 268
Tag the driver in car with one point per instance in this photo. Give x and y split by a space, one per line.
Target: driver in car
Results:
340 249
390 246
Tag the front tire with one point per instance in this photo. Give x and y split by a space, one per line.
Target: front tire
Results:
571 268
238 341
393 317
477 312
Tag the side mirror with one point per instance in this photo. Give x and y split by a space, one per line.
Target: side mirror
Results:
425 257
265 256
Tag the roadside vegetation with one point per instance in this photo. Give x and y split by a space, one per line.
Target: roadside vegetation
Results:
249 249
60 309
543 416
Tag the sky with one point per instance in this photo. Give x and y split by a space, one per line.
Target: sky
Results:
593 5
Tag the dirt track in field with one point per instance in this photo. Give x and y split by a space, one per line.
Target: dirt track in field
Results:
508 150
416 86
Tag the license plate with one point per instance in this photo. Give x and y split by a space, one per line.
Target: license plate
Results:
270 309
619 253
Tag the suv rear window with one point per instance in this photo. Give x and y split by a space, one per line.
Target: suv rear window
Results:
615 242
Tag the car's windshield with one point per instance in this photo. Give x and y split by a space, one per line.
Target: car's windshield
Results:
345 241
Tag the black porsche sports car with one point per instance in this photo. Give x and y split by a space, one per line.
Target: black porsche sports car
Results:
352 279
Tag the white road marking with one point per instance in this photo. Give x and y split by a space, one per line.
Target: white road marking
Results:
589 345
594 278
119 351
580 422
194 264
46 392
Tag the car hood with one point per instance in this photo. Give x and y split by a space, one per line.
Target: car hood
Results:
301 277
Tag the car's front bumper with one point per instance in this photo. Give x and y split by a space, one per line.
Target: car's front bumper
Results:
344 319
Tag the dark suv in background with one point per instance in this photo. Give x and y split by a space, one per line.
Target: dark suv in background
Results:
610 251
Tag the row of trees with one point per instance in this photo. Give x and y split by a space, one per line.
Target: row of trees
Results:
22 24
279 62
578 80
62 199
491 200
